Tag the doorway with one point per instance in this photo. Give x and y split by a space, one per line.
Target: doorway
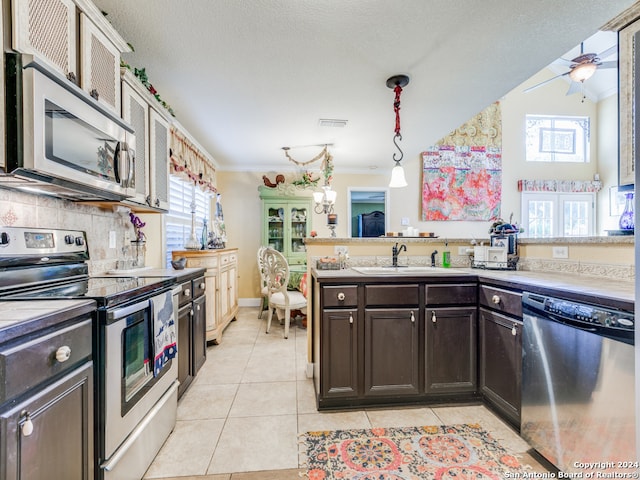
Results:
368 211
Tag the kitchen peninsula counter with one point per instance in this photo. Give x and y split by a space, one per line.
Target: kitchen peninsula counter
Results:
616 294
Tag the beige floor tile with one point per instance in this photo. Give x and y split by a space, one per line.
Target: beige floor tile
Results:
222 374
289 474
207 401
270 367
262 399
332 421
256 443
188 450
306 400
224 476
403 417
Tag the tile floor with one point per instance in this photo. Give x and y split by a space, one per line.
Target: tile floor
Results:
241 417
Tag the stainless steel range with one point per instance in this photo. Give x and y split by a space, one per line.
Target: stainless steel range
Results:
133 337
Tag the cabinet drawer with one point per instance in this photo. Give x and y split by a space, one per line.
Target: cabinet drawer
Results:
387 295
199 286
203 262
340 296
25 364
505 301
186 294
446 294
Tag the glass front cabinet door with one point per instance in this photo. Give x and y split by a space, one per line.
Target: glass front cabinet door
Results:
286 221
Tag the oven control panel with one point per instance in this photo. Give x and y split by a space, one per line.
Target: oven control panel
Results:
16 242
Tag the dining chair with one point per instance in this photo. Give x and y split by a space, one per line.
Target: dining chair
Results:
264 300
277 273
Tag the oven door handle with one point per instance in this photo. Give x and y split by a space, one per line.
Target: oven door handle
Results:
110 464
119 313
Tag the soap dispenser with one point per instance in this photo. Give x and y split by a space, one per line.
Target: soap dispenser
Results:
446 256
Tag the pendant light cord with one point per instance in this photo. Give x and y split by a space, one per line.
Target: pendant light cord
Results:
398 135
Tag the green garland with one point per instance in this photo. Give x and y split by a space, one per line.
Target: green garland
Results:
141 75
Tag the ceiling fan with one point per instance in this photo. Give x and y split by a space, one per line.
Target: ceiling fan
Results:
582 68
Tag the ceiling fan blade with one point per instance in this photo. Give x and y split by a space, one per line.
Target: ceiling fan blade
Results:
575 87
611 64
545 82
609 51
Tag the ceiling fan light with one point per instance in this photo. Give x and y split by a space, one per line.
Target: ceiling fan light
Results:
397 177
583 72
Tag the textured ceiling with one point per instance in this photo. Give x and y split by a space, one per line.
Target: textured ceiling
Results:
246 78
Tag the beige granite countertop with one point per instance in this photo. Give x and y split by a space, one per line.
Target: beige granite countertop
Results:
595 287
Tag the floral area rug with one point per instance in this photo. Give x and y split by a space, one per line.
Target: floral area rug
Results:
453 452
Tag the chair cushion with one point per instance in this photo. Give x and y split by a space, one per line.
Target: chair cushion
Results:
296 299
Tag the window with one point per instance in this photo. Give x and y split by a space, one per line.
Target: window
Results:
178 219
557 139
549 214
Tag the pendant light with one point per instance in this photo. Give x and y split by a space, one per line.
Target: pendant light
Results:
396 82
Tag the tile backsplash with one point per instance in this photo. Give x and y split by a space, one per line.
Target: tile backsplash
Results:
18 209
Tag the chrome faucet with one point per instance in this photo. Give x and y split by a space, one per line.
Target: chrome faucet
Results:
433 258
395 251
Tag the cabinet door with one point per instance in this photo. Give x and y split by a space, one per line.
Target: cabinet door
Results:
224 294
47 29
339 354
501 362
135 111
450 350
61 443
211 294
159 160
233 289
391 360
274 226
198 328
185 340
100 65
297 217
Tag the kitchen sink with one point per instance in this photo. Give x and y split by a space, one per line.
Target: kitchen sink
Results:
407 270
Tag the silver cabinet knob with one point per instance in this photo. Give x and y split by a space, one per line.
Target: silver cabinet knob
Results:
495 299
187 292
351 318
514 330
413 318
433 316
202 286
341 296
63 354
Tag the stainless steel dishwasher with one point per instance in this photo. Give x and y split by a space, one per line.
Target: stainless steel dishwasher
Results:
578 384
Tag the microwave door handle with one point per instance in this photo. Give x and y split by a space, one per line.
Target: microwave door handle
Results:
116 162
131 161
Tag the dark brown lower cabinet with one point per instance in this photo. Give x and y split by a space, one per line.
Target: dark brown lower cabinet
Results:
501 362
391 352
60 443
192 343
184 349
450 350
339 354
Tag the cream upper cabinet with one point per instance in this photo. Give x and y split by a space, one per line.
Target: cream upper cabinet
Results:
74 38
152 143
135 111
47 28
100 65
159 160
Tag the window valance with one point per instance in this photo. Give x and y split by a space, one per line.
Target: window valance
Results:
190 162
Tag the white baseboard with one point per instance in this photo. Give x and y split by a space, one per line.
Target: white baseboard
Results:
249 302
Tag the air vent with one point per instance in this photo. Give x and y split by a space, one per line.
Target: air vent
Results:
331 122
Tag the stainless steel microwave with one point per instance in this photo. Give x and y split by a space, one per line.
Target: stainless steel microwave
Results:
60 140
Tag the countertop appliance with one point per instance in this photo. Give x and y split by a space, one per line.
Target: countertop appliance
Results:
136 394
63 142
578 401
